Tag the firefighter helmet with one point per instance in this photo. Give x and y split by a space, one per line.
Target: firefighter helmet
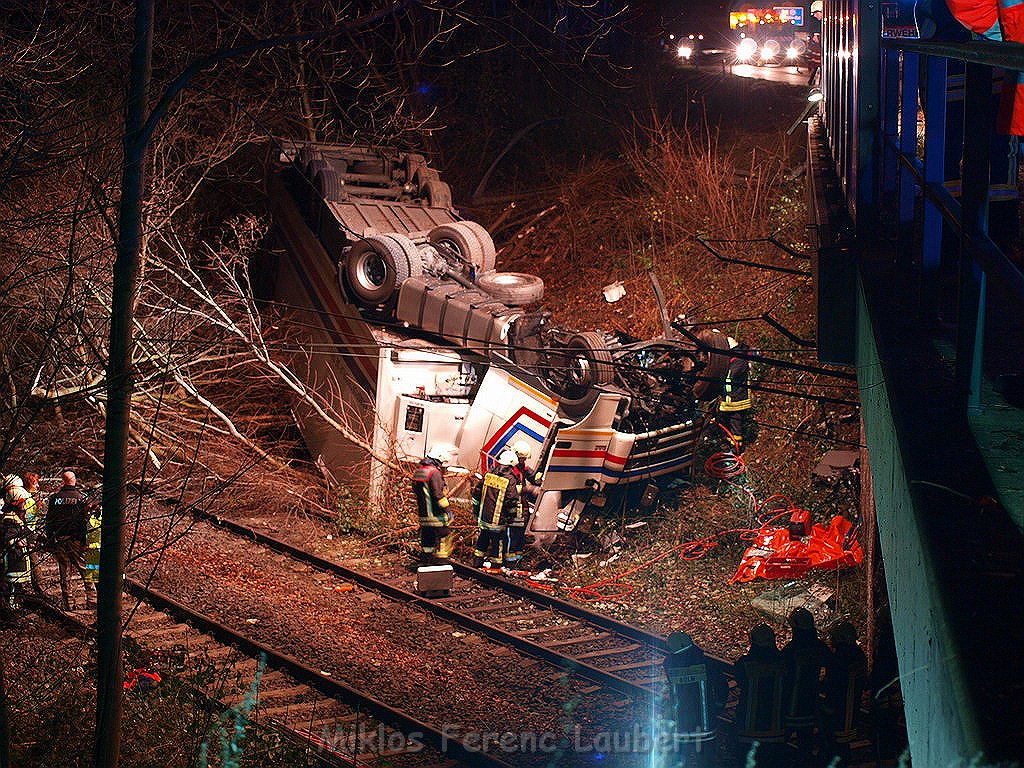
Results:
440 453
679 641
508 459
801 618
817 6
762 636
12 481
522 449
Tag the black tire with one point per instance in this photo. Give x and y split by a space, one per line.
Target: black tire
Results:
512 288
438 194
376 267
490 253
458 245
585 364
328 185
715 366
304 157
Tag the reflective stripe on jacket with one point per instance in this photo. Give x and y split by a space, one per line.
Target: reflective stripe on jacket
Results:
429 488
499 499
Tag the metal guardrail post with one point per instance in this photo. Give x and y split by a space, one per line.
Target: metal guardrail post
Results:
909 79
934 173
974 205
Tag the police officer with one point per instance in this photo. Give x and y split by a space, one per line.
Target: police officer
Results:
67 529
760 676
846 671
804 656
527 481
428 486
698 693
735 402
498 495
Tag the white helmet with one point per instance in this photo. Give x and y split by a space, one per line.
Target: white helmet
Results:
817 6
508 459
522 449
12 481
440 453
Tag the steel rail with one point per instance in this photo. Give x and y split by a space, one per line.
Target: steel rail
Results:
305 674
525 645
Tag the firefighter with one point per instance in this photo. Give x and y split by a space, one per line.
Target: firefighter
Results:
14 558
19 500
697 693
498 502
760 676
804 656
846 673
92 550
428 486
67 529
735 401
527 482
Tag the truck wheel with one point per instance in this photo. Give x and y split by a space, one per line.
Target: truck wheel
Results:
304 157
463 240
376 266
585 364
712 375
328 185
512 288
438 194
490 254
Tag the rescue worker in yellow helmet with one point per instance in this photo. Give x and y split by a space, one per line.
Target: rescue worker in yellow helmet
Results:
14 559
528 481
735 403
435 515
498 502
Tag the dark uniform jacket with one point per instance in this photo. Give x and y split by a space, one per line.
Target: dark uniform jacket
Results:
499 498
68 515
13 543
698 692
760 676
846 673
804 657
429 488
736 390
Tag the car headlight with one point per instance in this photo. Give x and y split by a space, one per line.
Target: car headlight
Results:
746 49
792 53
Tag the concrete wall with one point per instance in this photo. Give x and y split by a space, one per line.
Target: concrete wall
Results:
941 724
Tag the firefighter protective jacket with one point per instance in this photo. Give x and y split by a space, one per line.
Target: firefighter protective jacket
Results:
527 480
998 20
735 390
760 676
14 549
499 499
804 657
698 693
429 489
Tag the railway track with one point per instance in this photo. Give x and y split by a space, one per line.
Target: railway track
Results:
609 653
310 705
344 726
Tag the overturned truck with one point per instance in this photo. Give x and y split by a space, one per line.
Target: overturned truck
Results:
414 335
